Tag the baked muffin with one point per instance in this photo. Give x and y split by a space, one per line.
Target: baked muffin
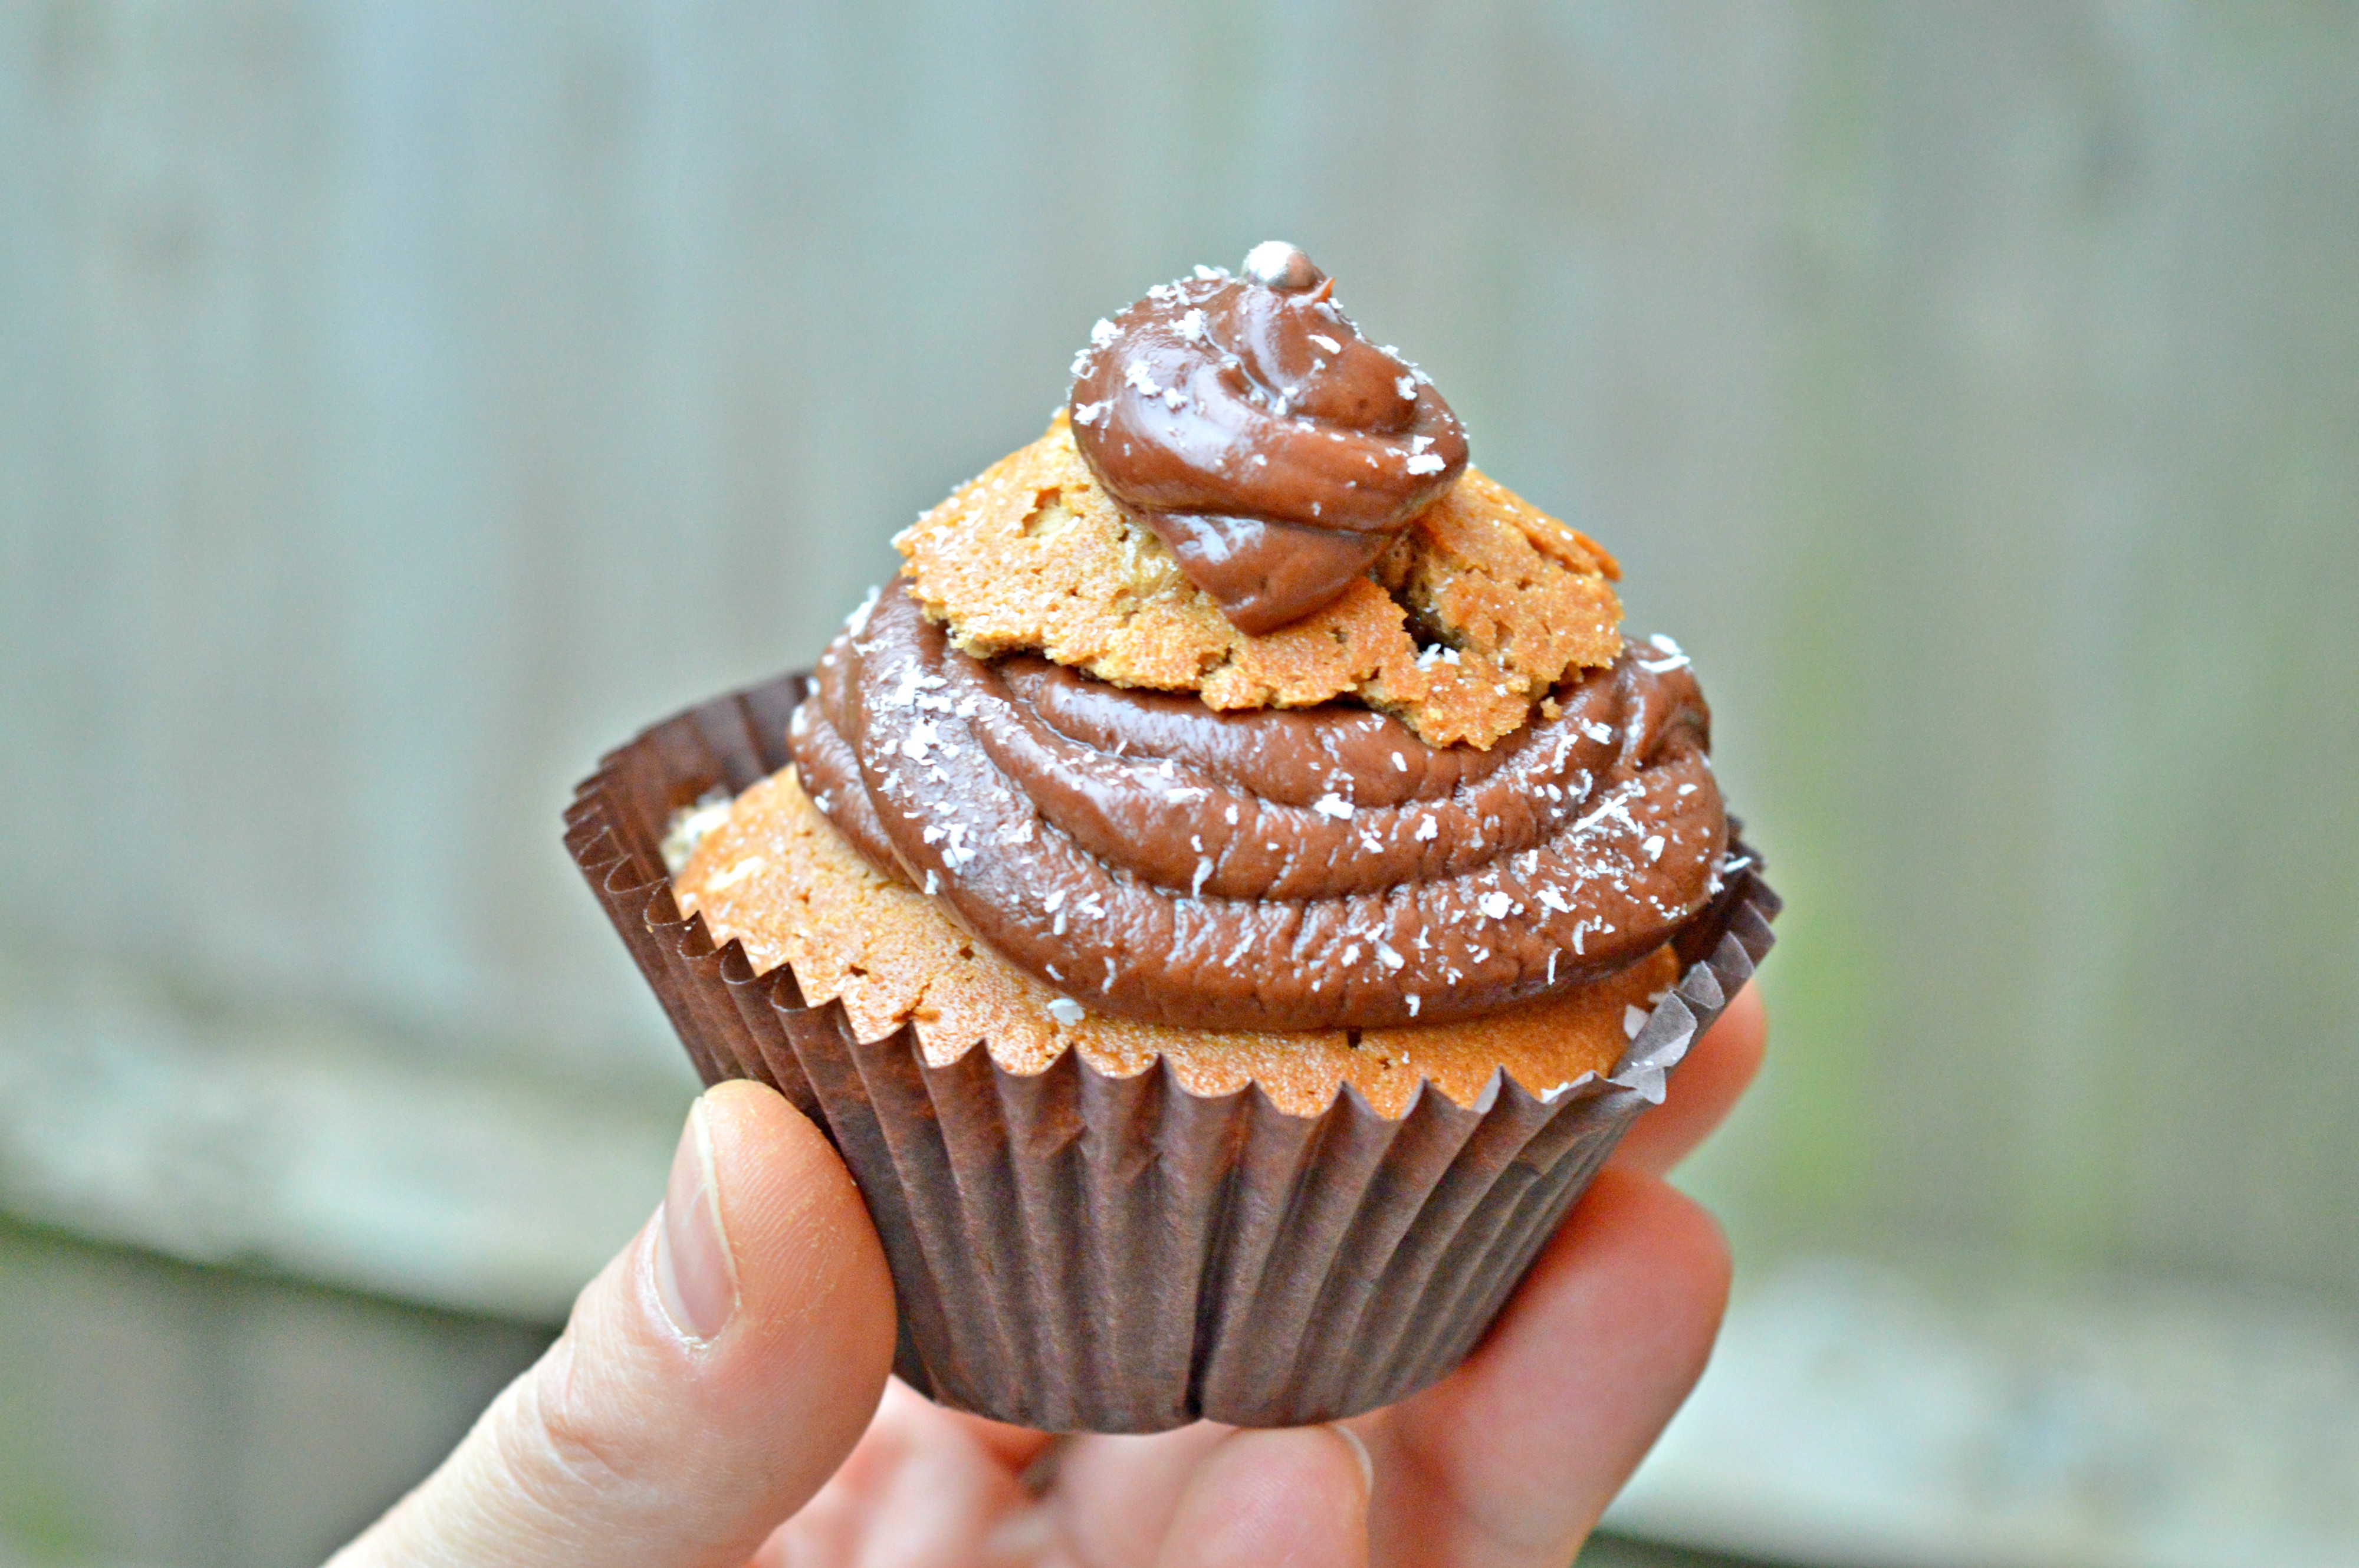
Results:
1234 745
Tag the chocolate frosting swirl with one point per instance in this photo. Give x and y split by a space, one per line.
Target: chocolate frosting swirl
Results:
1283 869
1247 421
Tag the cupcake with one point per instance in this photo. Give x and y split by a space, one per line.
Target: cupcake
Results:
1225 897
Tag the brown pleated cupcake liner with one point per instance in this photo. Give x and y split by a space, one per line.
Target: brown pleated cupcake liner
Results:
1076 1252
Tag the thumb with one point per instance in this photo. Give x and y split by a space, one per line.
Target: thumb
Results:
711 1378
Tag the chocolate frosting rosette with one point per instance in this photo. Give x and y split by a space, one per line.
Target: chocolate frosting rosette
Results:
1224 899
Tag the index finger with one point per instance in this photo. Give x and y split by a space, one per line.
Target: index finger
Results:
1508 1462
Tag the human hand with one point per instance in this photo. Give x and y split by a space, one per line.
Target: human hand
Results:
706 1389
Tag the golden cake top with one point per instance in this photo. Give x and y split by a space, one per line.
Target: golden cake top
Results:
1460 630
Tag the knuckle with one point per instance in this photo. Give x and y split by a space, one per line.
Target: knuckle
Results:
565 1443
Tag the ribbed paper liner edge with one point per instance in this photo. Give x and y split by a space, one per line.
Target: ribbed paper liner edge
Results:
1075 1252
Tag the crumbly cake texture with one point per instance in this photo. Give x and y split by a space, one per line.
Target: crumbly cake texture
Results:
1464 624
776 875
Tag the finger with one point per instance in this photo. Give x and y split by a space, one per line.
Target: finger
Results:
1509 1461
711 1377
1015 1446
923 1489
1296 1498
1114 1497
1702 1089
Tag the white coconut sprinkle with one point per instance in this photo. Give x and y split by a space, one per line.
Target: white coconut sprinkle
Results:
858 622
1616 806
689 827
1333 805
1067 1011
1494 905
1673 658
753 865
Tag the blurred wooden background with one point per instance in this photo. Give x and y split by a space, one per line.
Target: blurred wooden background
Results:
398 405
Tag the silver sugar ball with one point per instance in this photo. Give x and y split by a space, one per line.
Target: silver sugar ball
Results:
1277 265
